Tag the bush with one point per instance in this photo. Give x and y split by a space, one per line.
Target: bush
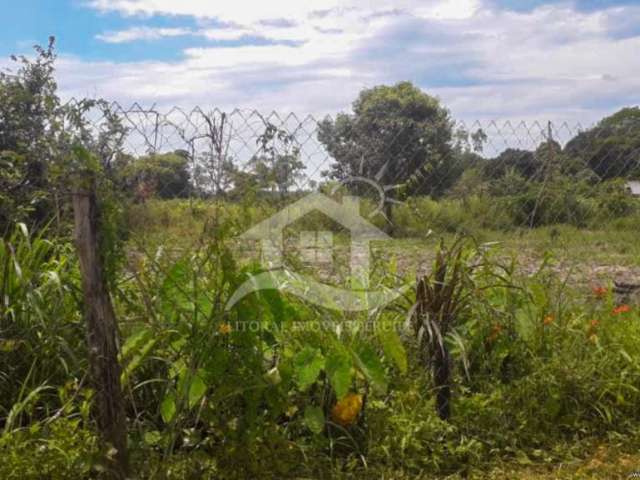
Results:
560 201
59 450
614 201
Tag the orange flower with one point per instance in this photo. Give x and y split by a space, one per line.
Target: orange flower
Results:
599 292
621 309
347 410
594 323
548 320
224 329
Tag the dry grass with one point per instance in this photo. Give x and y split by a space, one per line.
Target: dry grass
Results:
603 464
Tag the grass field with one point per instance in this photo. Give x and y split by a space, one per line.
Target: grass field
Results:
544 357
583 256
566 263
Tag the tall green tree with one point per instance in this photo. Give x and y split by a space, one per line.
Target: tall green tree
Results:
30 127
165 175
611 148
214 176
512 160
397 135
38 134
277 167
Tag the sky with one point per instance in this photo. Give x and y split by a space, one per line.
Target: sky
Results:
570 61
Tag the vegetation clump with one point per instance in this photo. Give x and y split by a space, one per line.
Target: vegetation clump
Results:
501 358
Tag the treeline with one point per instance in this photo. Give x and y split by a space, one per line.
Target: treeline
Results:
397 135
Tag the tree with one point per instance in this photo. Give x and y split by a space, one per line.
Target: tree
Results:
611 148
37 136
30 125
523 162
213 176
279 173
467 168
277 165
396 135
214 169
165 174
245 186
470 183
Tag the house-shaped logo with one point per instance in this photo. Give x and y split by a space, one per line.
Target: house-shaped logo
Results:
270 232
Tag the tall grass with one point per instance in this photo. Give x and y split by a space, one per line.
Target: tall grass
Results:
41 332
538 365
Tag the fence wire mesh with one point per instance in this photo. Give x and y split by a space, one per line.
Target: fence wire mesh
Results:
534 173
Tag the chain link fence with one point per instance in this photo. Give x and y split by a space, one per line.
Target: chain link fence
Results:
502 173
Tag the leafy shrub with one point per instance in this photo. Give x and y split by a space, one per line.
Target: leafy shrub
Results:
59 450
560 201
614 201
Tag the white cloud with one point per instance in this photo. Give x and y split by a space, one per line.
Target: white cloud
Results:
135 34
238 11
250 11
553 62
447 10
142 33
226 33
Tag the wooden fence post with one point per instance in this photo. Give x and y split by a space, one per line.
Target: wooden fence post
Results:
101 332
